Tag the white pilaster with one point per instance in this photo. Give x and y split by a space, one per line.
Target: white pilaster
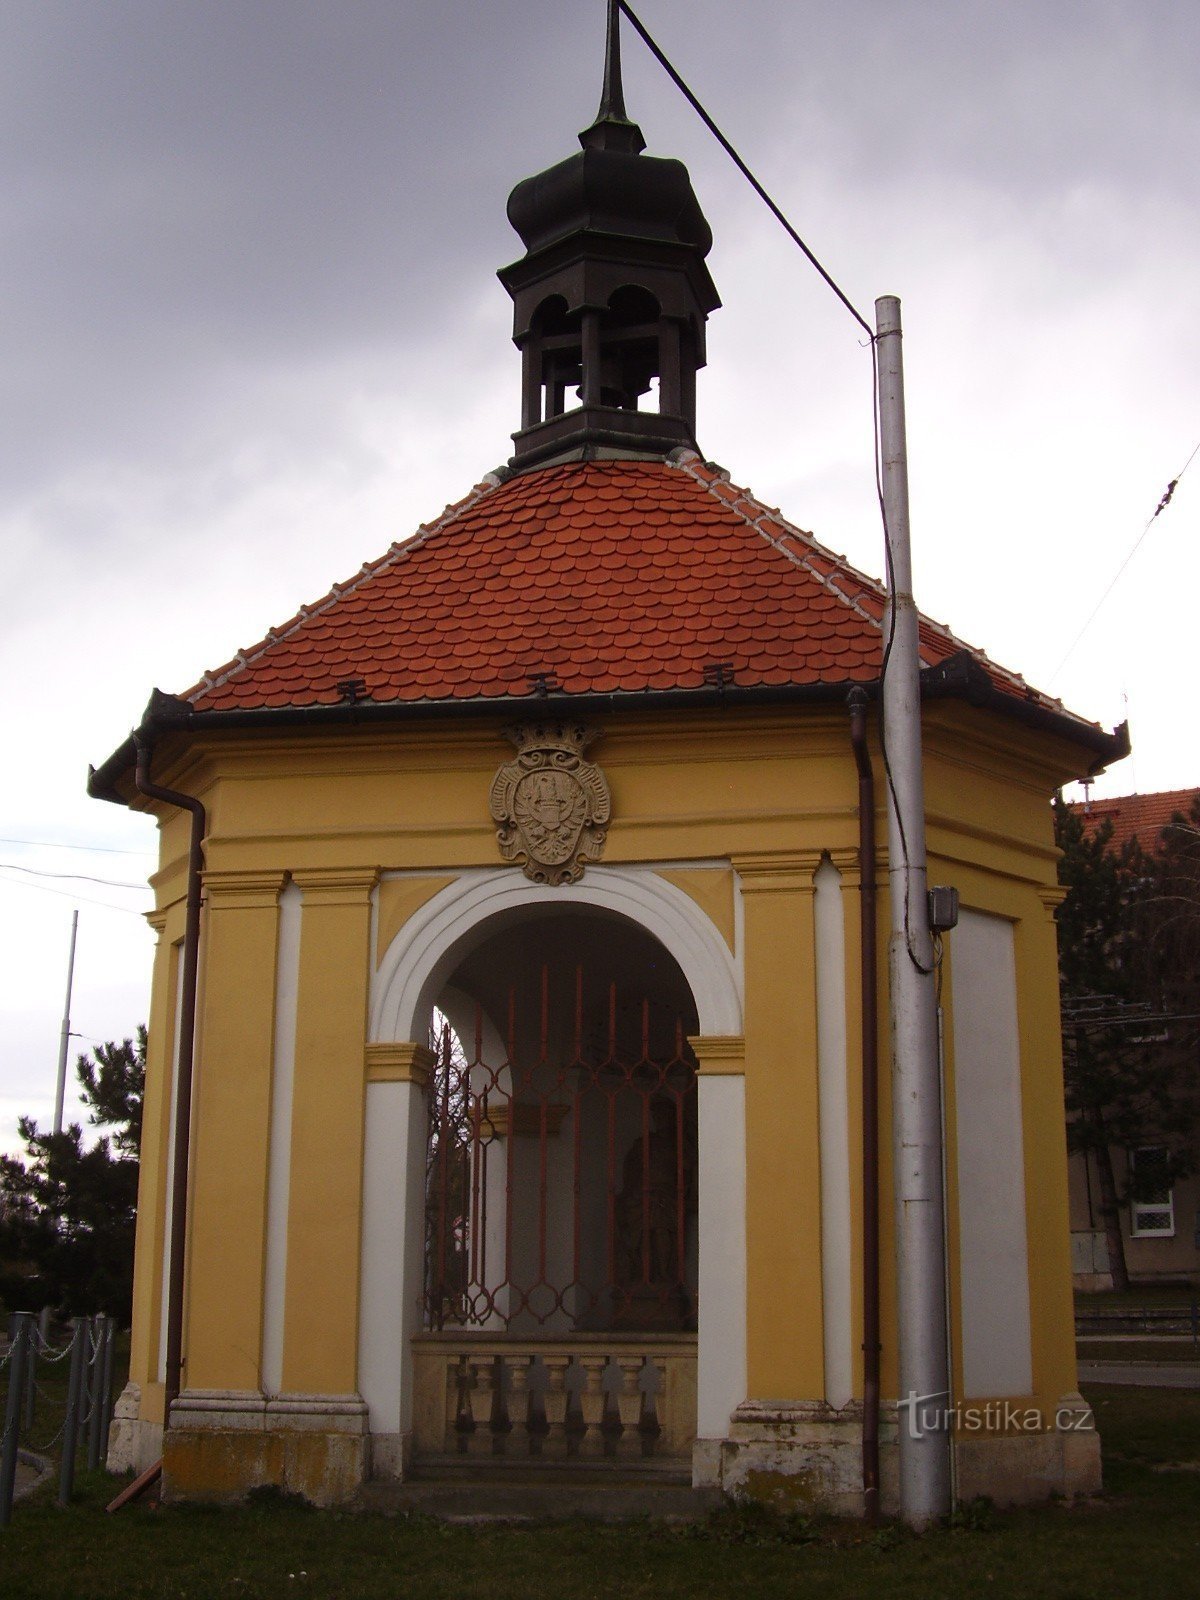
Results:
279 1158
834 1134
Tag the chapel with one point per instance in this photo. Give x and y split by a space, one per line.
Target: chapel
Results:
505 1087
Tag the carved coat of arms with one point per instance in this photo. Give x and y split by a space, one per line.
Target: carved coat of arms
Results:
551 805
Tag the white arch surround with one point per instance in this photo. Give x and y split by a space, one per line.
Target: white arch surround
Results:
434 939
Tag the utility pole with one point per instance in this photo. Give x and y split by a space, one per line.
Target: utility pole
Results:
64 1038
916 1086
64 1042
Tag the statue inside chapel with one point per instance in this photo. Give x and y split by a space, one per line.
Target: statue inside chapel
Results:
657 1178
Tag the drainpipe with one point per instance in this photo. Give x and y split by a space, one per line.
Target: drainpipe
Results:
183 1074
857 701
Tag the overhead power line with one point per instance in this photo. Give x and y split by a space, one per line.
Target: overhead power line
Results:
87 849
729 150
79 877
66 894
1164 502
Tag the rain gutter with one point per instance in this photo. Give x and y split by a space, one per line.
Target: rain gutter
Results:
959 677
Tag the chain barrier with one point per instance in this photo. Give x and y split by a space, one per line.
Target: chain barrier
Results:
89 1398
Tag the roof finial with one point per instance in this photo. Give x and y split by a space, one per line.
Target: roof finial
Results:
612 129
612 96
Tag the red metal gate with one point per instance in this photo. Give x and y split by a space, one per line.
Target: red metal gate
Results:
561 1183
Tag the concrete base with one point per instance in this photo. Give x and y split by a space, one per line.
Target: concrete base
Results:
1023 1468
133 1442
391 1457
221 1445
802 1455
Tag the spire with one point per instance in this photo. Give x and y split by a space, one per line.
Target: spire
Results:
612 129
612 97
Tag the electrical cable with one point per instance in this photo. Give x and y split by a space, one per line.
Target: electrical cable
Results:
79 877
1162 505
65 894
889 564
742 167
87 849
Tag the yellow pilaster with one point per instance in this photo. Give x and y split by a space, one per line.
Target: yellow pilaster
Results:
785 1335
325 1211
230 1128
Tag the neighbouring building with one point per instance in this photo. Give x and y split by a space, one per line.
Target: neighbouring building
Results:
526 1109
1161 1230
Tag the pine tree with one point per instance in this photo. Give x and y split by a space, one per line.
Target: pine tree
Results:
67 1212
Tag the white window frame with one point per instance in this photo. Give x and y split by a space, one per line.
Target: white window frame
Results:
1139 1210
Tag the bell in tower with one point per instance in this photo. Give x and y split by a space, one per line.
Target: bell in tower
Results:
611 296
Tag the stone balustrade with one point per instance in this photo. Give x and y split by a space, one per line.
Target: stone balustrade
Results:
575 1397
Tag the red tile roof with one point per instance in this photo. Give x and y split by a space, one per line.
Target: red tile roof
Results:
608 575
1140 816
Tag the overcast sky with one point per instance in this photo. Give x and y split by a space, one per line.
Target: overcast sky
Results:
252 334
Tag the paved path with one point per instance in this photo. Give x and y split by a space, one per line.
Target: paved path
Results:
32 1472
1142 1374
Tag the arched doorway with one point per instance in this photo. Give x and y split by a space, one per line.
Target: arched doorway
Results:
493 1379
560 1282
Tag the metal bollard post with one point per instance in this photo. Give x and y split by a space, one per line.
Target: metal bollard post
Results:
95 1389
110 1339
70 1434
20 1325
35 1344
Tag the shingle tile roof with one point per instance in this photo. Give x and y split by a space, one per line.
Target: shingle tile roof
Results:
606 576
1136 816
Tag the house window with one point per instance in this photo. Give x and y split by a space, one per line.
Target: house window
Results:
1152 1212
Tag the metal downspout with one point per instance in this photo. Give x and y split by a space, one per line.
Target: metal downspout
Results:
183 1073
857 701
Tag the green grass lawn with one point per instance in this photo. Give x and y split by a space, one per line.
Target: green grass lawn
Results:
1141 1538
1156 1351
1172 1295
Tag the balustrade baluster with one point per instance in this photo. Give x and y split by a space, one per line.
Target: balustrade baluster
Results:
555 1405
629 1406
591 1404
482 1397
458 1403
653 1409
518 1405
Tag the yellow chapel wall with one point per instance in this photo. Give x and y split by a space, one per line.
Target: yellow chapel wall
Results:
767 792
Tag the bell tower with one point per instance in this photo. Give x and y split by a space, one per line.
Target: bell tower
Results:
611 296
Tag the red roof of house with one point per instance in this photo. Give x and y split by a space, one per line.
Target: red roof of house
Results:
606 576
1140 816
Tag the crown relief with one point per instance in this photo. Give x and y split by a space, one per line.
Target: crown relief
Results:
552 806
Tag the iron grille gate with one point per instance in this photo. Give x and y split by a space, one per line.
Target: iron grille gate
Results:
560 1271
561 1179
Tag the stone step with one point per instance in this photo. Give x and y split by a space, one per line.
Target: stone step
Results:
522 1498
529 1469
